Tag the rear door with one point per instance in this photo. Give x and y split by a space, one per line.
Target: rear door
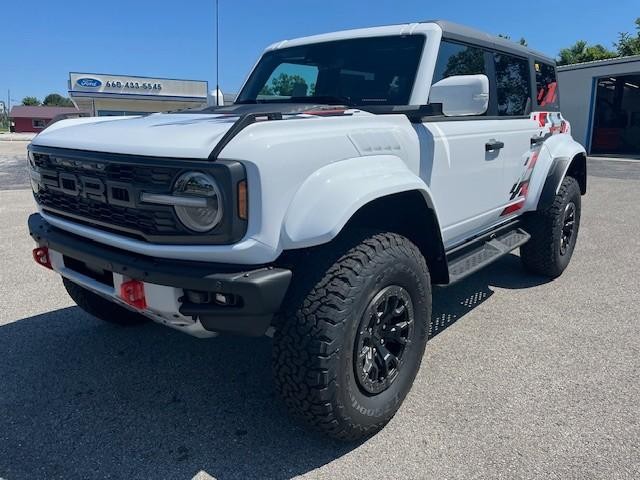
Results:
514 99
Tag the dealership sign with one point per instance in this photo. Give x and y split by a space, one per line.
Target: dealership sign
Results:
97 85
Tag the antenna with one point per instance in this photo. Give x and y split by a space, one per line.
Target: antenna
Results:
217 56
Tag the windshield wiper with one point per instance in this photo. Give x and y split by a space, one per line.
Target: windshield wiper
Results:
318 99
326 99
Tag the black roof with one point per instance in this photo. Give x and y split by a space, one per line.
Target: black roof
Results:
463 33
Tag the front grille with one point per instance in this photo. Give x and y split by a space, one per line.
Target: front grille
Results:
132 174
149 222
137 220
103 190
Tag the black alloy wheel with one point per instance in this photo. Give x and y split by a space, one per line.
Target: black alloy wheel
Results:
385 332
568 227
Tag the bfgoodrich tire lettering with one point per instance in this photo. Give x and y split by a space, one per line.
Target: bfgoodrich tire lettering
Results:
554 232
316 340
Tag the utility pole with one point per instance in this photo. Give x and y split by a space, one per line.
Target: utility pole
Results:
7 110
217 56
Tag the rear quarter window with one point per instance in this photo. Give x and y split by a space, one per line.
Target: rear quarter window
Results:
546 85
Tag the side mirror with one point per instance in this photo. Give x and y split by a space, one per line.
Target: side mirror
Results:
461 95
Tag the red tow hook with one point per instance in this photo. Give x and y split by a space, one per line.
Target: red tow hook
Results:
132 292
41 256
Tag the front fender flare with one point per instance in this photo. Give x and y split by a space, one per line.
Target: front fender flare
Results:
326 201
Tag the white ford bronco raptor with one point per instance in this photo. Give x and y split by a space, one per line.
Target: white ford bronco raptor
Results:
354 171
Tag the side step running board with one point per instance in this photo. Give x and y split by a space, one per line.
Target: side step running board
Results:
463 262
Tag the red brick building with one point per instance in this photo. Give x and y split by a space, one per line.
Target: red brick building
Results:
36 119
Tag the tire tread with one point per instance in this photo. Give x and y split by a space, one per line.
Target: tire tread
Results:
309 339
538 255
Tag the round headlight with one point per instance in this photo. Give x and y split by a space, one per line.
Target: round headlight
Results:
198 185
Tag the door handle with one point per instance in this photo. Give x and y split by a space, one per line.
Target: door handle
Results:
536 140
493 145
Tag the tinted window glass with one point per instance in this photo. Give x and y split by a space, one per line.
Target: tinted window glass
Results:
290 80
362 71
513 85
457 59
546 85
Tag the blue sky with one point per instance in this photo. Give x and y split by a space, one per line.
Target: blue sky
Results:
47 39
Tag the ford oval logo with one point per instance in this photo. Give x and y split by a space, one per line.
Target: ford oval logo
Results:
88 82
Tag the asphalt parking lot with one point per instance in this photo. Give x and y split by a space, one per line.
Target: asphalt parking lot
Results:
524 378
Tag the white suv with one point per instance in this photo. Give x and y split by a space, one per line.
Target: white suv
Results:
355 170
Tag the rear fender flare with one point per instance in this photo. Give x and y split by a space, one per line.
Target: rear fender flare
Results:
554 160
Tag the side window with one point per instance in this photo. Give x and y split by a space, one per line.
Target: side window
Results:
546 85
513 85
458 59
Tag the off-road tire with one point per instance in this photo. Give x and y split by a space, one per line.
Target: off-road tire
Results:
542 254
314 343
102 308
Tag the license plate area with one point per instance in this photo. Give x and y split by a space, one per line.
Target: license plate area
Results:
98 274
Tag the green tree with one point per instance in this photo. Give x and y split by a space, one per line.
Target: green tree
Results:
627 43
285 85
468 61
30 101
267 91
56 100
581 51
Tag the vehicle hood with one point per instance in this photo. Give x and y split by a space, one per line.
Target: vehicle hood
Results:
188 134
164 135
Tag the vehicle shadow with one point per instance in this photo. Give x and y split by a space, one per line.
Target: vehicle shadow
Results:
81 399
452 303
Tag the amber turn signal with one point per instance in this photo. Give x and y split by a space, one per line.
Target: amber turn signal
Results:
243 203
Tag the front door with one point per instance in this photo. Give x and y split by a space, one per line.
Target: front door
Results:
475 158
466 177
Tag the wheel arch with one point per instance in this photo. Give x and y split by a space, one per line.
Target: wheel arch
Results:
377 192
560 156
578 170
562 167
412 218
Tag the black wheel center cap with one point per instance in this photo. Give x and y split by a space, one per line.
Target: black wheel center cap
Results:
384 334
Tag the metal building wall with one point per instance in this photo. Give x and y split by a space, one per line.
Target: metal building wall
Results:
578 89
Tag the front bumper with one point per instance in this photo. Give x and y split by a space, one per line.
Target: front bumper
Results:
259 291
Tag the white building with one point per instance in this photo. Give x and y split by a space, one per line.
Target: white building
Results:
106 94
601 100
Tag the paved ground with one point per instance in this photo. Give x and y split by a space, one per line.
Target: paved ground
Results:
13 165
12 136
524 379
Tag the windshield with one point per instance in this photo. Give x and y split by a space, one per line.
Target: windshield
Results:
363 71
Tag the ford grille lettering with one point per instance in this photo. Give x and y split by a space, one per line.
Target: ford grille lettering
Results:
92 188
